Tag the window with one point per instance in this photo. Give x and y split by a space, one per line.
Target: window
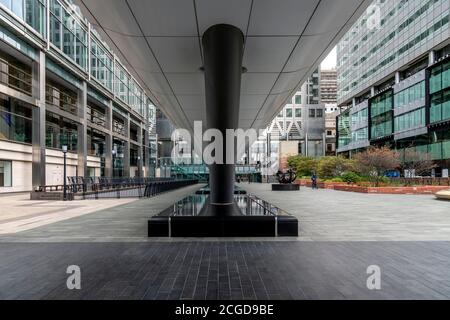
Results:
15 120
298 99
329 133
298 113
67 34
280 115
5 174
319 113
289 113
101 64
312 113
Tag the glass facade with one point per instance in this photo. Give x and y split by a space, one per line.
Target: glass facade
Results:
360 116
440 77
102 62
68 34
410 95
15 120
367 55
60 132
360 135
440 106
344 129
410 120
381 115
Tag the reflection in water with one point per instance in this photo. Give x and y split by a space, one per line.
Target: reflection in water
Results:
248 204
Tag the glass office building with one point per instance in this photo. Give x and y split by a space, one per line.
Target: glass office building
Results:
61 85
393 80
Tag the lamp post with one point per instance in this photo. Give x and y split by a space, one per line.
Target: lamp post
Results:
64 150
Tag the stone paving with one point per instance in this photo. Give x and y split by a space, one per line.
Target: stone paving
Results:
329 215
341 235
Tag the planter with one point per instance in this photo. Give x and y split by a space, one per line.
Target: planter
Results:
374 190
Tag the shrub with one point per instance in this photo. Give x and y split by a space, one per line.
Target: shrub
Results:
331 167
304 165
351 177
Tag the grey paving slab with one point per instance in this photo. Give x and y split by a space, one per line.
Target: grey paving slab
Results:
328 215
275 270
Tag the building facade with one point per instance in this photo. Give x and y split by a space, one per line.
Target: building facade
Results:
328 87
302 120
393 80
61 85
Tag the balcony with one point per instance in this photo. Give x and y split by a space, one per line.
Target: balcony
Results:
15 77
63 99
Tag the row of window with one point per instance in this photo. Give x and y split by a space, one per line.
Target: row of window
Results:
410 120
428 33
313 113
440 77
381 104
360 116
410 95
437 151
69 35
440 106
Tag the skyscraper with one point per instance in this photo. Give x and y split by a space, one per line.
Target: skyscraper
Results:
393 79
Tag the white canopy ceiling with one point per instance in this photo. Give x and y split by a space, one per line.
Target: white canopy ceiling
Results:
160 42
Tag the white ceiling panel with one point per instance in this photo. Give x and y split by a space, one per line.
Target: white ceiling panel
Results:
252 101
164 18
267 54
192 102
170 27
177 54
187 83
257 83
234 12
113 15
142 58
288 81
275 17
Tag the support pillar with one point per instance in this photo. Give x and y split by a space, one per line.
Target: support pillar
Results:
140 153
109 142
126 149
82 131
38 126
223 54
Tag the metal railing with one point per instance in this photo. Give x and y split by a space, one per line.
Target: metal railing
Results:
101 188
63 100
15 77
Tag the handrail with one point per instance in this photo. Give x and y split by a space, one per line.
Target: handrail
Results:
26 80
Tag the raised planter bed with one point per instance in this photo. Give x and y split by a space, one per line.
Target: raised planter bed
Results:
374 190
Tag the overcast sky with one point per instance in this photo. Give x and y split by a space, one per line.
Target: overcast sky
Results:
330 61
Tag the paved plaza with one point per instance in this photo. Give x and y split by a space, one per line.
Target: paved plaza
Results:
341 235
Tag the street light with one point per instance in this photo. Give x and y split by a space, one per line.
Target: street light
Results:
64 150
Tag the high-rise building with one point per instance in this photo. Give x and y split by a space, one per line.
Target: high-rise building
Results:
328 87
61 85
394 78
301 123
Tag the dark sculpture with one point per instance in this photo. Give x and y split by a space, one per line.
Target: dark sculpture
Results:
287 177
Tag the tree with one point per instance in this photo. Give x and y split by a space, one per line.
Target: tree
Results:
374 162
303 165
331 167
417 163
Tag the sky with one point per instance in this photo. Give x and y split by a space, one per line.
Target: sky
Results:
330 61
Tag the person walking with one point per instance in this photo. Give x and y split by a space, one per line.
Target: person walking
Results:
314 181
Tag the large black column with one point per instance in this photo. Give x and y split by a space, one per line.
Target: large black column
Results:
223 53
